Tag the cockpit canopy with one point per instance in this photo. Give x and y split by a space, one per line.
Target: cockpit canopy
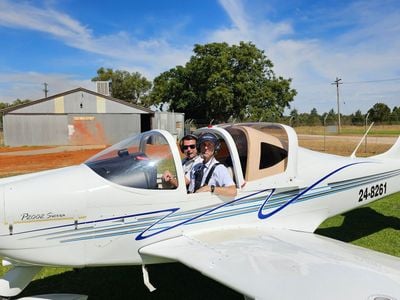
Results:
136 162
262 148
251 151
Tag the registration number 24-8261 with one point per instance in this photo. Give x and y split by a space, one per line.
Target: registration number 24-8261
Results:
372 192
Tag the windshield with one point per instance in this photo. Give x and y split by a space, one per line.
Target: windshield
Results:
136 162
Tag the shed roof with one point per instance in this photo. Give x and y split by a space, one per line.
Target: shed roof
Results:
79 89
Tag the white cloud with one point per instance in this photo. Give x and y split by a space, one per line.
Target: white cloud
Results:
359 42
367 49
30 85
154 53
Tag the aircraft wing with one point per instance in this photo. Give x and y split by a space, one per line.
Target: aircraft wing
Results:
284 264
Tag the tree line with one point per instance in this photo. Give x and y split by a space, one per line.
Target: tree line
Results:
379 113
224 83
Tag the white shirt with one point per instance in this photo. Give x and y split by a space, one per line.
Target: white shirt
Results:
188 164
220 176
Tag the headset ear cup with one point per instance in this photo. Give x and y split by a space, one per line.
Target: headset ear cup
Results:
217 146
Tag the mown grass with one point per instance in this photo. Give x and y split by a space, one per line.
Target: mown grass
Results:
376 130
375 226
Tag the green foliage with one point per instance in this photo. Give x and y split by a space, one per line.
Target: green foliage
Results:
131 87
222 81
380 112
313 118
6 105
395 115
357 118
15 103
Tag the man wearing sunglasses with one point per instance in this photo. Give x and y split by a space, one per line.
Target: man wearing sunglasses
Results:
188 147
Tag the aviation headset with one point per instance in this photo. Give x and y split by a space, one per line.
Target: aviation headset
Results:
187 137
208 136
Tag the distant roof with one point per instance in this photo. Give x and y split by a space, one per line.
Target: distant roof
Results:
79 89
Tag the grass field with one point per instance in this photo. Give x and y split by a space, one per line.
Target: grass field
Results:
376 130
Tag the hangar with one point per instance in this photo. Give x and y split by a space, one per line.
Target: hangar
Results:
75 117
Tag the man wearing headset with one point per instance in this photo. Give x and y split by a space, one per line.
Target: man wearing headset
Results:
210 175
189 148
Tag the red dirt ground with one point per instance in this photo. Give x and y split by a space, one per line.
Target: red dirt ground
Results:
20 164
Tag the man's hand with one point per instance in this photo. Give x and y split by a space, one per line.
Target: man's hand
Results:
205 188
167 176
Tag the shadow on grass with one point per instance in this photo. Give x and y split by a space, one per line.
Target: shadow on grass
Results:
173 281
360 223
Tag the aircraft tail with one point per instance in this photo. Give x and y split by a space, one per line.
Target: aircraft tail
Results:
393 152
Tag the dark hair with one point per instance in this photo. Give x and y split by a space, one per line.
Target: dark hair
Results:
211 137
187 137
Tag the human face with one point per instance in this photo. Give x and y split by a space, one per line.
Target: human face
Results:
207 150
189 148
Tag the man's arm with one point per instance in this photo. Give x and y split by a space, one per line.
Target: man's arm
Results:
227 191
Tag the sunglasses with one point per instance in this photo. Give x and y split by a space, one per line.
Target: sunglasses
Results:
185 147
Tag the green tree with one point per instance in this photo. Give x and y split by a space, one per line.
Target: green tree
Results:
222 81
313 118
395 115
357 118
294 117
131 87
15 103
380 112
4 105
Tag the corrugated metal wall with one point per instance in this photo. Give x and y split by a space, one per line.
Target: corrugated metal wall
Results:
34 130
170 121
74 129
102 129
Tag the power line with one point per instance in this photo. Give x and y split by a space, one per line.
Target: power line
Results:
372 81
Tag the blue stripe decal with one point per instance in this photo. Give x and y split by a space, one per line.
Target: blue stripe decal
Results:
156 222
265 216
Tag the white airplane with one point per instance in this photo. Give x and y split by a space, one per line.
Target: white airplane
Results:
115 210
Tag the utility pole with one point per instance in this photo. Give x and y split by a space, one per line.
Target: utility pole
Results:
45 89
336 82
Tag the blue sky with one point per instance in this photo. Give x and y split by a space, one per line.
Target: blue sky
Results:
64 42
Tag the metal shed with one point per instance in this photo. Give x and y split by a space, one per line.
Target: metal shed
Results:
75 117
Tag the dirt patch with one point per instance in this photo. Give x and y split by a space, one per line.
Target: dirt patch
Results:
21 164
